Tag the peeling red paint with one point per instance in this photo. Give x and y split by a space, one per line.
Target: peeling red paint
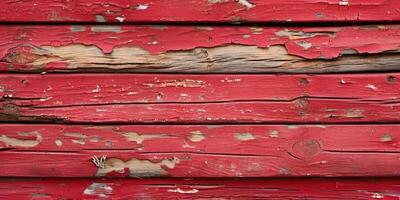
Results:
266 139
51 90
120 11
197 164
32 48
384 188
326 42
100 98
199 126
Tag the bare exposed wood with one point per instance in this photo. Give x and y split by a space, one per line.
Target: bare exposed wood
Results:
199 49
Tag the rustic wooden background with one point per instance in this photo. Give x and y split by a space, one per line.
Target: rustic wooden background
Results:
200 99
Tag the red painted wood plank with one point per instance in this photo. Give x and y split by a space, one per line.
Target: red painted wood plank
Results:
123 163
138 98
305 110
199 11
222 139
92 89
199 151
387 189
199 49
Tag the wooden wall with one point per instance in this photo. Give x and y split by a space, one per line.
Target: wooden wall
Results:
230 99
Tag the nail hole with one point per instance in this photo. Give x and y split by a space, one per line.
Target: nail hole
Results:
303 81
391 79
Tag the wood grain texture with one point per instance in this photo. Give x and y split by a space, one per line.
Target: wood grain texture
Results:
199 49
199 151
199 11
155 98
360 189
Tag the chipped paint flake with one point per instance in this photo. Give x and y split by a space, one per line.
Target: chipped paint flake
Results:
304 44
142 7
246 3
217 1
299 34
185 83
16 142
133 136
344 2
292 126
100 18
94 139
97 89
120 19
58 142
196 136
244 136
354 113
371 86
101 29
79 138
274 134
137 167
78 28
98 189
179 190
377 196
386 138
231 80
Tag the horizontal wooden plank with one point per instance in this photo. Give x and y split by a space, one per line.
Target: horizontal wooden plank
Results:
123 163
305 110
387 189
50 90
155 98
199 151
199 11
199 49
224 139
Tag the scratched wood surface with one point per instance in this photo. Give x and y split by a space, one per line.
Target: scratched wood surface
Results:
199 49
155 98
199 150
199 11
364 189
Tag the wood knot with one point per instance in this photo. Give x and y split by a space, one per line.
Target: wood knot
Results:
24 54
306 148
200 52
301 103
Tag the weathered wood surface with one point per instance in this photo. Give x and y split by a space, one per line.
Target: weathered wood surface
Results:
199 49
186 125
155 98
199 10
359 189
199 151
